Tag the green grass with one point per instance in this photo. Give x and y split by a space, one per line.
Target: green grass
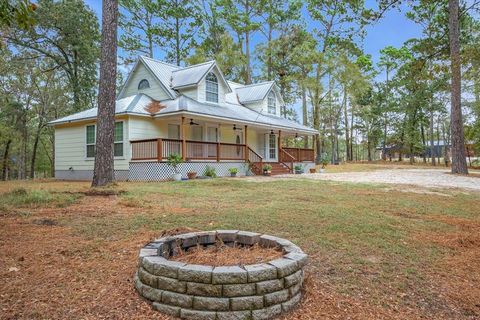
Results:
20 198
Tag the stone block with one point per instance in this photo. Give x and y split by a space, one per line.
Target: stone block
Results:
229 275
147 278
152 294
227 235
284 266
177 299
294 278
137 283
293 290
166 309
246 303
211 304
170 284
201 289
276 297
290 304
197 315
239 290
261 272
164 267
188 239
146 253
300 257
235 315
153 245
269 286
292 249
195 273
267 313
248 238
267 241
207 237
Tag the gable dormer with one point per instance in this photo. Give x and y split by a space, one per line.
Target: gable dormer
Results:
264 97
202 82
150 77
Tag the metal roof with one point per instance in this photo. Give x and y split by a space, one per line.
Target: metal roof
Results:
130 105
254 92
190 75
230 112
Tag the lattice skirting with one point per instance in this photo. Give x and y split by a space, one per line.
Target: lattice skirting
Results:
120 175
307 165
157 171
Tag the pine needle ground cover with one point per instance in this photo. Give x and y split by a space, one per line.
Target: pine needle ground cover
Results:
375 252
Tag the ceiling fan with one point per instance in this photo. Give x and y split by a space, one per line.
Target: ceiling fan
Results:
235 128
193 123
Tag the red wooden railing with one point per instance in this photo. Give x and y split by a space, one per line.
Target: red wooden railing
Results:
287 159
160 149
300 154
256 161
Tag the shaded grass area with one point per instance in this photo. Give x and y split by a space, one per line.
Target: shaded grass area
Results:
368 243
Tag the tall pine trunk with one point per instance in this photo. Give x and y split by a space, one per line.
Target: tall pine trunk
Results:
104 166
5 160
432 146
459 163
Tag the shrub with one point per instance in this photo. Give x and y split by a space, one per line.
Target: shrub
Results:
233 170
267 167
174 160
210 172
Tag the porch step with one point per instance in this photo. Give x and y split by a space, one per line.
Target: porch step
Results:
278 168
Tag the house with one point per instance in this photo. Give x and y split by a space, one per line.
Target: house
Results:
191 111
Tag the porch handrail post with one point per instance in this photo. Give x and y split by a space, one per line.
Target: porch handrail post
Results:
184 142
159 150
218 151
246 145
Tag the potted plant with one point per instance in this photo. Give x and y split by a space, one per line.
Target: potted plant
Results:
233 172
298 169
313 170
210 172
324 161
174 160
267 169
192 175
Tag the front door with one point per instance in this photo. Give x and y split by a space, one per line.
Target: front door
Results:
212 136
271 150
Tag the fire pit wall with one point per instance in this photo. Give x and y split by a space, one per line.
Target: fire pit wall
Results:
260 291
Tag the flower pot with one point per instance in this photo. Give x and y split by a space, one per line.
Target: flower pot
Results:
313 170
177 177
191 175
267 173
298 171
233 174
322 170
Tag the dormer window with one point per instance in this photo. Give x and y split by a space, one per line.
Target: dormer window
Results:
143 84
211 88
272 103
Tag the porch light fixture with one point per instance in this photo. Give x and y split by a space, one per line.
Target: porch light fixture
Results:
193 123
296 135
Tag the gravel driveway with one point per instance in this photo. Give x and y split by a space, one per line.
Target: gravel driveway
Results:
431 178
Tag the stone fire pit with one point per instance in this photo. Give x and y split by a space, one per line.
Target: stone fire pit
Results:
258 291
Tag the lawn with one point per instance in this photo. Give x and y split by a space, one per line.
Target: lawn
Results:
375 252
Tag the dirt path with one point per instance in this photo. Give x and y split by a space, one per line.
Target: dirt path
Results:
430 178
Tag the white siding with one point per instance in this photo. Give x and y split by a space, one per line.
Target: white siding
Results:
190 92
222 89
141 72
70 148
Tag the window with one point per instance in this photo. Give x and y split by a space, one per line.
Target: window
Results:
90 141
143 84
118 140
212 87
272 103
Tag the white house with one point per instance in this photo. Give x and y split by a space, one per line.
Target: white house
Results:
192 111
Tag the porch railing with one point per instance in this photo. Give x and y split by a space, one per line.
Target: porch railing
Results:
300 154
287 159
161 149
256 161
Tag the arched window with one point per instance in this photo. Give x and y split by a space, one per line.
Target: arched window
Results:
272 103
212 87
143 84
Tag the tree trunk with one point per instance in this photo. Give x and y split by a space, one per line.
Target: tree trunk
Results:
459 163
432 146
104 164
385 119
424 144
5 159
34 150
305 113
347 131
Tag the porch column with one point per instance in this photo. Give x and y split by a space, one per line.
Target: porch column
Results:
246 144
279 140
184 142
